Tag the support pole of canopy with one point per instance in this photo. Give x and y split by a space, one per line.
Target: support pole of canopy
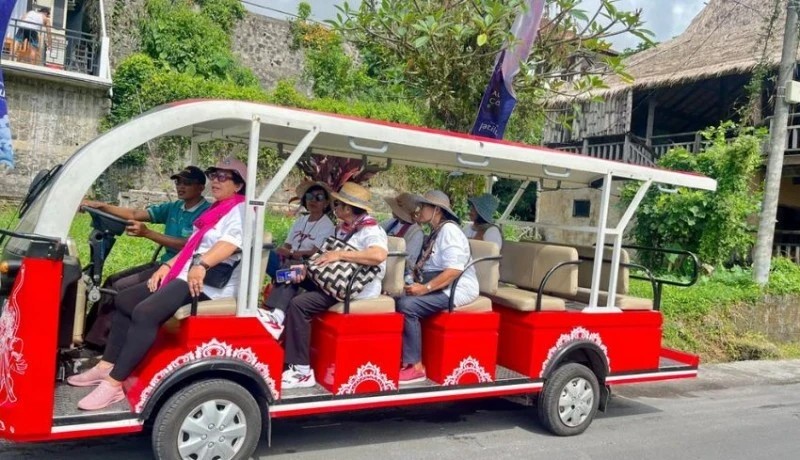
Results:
514 200
599 248
616 253
253 237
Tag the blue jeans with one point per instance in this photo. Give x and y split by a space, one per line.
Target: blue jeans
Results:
413 309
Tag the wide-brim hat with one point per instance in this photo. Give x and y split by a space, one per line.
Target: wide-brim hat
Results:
439 199
354 195
305 186
403 206
231 164
485 205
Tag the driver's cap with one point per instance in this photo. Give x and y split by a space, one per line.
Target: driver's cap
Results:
192 173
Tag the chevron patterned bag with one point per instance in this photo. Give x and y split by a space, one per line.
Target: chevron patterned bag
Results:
333 278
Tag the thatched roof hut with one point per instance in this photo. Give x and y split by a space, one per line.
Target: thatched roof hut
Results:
696 78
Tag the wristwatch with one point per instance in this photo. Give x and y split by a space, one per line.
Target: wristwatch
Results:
428 287
197 260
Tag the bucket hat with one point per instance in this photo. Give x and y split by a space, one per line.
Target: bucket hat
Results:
485 205
355 195
231 164
439 199
403 206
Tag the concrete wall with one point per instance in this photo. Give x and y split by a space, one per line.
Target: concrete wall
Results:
49 122
555 207
263 45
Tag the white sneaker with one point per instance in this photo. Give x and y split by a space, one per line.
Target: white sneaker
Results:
293 378
271 324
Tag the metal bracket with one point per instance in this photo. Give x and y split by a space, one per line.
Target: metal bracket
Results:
365 162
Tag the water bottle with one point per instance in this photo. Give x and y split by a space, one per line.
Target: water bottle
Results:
409 279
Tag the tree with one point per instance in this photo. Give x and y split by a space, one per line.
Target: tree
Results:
443 50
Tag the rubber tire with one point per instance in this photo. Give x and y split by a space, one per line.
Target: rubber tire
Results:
168 421
548 399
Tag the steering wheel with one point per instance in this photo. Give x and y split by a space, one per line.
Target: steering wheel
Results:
104 221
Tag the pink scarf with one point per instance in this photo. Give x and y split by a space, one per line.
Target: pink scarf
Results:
365 221
204 223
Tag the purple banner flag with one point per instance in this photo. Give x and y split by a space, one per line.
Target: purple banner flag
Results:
6 152
499 99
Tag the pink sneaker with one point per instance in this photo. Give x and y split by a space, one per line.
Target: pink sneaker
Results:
90 378
101 397
411 374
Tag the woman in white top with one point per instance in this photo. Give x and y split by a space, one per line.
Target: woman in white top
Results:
309 231
142 308
27 35
445 256
402 225
352 207
481 213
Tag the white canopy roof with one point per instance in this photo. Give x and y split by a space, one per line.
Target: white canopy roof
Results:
338 135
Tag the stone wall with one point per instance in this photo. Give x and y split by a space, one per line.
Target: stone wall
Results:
49 122
263 45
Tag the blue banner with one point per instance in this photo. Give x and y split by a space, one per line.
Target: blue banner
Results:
496 105
499 99
6 151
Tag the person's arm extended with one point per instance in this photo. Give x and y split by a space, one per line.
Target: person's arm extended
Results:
125 213
167 241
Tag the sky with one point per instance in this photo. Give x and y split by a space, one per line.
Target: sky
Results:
665 18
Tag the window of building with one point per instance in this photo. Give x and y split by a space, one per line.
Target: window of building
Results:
581 208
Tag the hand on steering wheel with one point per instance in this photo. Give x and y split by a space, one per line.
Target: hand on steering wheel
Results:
136 228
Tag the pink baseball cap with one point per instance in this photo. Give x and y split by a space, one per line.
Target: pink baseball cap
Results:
231 164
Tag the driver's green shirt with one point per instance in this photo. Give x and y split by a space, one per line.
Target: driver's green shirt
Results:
177 220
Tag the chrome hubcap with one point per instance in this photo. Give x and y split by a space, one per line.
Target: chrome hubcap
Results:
576 401
214 430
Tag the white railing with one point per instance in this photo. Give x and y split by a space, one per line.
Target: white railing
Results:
627 151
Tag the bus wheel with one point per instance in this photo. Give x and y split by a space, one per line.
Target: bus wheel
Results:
216 419
569 400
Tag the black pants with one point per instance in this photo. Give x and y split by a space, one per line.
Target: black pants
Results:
301 309
282 294
138 315
98 322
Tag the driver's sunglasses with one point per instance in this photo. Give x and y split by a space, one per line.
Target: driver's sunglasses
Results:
316 197
186 182
220 176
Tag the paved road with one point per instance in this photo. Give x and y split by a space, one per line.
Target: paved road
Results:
745 410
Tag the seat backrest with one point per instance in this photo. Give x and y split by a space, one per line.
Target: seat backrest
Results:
524 264
488 272
585 269
395 268
264 258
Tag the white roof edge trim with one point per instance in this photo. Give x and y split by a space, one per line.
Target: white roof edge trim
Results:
86 165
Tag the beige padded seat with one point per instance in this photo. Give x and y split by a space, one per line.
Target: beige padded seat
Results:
392 285
488 274
224 306
622 300
522 269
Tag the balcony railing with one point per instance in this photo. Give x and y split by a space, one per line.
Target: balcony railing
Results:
55 48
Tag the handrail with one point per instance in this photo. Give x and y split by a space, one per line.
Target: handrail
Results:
479 164
651 278
540 292
693 257
453 285
378 150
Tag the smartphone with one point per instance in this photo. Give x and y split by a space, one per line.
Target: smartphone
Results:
288 275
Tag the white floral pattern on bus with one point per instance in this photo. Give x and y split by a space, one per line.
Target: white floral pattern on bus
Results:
211 349
367 373
468 366
12 360
577 334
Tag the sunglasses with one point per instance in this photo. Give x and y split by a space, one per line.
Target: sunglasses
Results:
186 182
220 176
316 197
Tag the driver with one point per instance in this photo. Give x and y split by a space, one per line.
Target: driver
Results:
177 217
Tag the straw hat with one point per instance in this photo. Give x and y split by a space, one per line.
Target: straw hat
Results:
304 186
403 206
485 205
354 195
439 199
